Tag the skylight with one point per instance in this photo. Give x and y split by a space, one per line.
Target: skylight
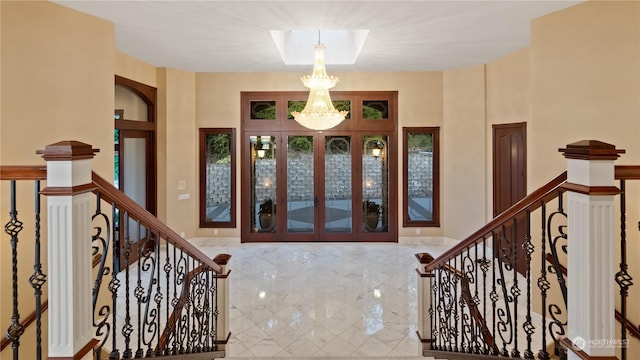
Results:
342 46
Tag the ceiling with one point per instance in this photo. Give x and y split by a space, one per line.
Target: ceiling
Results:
234 36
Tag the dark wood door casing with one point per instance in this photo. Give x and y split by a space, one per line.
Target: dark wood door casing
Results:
146 129
139 129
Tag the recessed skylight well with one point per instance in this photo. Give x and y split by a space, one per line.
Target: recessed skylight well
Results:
342 46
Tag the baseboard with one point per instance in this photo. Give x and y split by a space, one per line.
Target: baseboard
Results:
427 240
405 240
213 241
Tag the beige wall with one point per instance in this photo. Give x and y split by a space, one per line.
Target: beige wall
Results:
218 105
585 84
463 147
57 84
131 68
507 96
57 80
177 129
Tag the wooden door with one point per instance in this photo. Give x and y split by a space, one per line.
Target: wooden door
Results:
509 187
509 165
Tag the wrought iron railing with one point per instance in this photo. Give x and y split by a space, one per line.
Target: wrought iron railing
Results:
27 179
482 291
154 293
165 300
503 290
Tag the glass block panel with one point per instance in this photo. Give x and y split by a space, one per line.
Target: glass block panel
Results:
263 110
375 109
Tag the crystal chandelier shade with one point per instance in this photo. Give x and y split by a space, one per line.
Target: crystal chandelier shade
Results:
319 112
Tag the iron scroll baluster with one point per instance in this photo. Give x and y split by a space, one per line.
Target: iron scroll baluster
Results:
100 248
557 324
13 229
515 290
38 278
505 321
543 284
623 278
528 326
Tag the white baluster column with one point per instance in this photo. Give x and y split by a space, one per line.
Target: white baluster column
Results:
425 319
222 325
69 209
591 244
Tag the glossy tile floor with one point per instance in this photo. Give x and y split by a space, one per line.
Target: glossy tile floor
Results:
322 300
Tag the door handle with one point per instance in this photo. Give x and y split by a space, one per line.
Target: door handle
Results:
315 201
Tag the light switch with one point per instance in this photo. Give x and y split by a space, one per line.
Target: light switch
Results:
182 185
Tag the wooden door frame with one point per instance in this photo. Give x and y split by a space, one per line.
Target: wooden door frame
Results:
149 95
145 129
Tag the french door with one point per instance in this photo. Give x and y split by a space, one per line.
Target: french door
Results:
302 185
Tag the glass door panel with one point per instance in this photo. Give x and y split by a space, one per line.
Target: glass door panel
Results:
134 178
338 193
263 183
301 199
375 183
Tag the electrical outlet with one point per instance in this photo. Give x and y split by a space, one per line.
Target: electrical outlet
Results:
215 231
182 185
417 231
182 234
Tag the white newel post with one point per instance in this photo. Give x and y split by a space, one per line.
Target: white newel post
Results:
591 288
425 320
69 209
222 327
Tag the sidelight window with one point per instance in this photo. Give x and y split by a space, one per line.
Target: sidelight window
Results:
217 178
420 176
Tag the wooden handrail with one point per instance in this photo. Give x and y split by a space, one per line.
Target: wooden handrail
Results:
530 203
112 195
627 172
23 172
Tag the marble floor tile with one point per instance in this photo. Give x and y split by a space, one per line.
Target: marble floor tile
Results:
322 300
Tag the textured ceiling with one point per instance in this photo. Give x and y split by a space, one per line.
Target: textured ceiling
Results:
233 36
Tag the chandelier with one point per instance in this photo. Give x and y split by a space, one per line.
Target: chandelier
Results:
319 112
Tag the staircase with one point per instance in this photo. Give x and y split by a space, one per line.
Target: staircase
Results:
118 283
503 291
